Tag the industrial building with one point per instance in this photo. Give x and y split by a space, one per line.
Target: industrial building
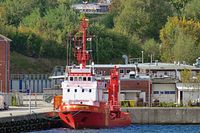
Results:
4 64
141 81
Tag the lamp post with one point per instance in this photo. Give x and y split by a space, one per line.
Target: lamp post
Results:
142 57
29 99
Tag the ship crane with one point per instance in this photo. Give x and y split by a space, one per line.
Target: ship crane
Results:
113 93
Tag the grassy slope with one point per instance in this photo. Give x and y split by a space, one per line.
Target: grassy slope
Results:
22 64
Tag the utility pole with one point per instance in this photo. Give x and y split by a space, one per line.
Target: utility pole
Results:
142 57
149 87
151 58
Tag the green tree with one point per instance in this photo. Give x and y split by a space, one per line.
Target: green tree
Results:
60 21
183 46
179 6
151 47
143 17
180 34
186 76
15 10
33 21
192 10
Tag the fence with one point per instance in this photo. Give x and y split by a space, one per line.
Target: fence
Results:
33 82
24 99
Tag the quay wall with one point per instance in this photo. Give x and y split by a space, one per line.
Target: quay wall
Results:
169 115
20 120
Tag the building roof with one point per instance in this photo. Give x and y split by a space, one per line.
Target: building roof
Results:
164 80
5 38
152 66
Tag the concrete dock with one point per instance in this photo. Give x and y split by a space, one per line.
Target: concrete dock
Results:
139 115
21 111
18 119
169 115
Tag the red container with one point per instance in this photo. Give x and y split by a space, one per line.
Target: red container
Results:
4 64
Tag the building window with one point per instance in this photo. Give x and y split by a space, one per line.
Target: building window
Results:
165 73
167 92
82 90
172 92
162 92
121 71
90 90
68 90
155 92
71 78
89 78
75 90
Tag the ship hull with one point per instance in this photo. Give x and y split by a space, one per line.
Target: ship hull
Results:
101 118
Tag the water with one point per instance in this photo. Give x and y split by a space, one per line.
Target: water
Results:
133 129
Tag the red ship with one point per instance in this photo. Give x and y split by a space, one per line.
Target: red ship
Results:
83 102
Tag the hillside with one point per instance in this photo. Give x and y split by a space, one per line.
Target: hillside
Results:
21 64
40 30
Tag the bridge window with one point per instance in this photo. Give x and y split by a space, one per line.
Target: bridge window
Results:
80 78
71 78
84 78
127 71
121 71
89 78
75 78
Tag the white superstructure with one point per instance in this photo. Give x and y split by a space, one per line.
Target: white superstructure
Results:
80 87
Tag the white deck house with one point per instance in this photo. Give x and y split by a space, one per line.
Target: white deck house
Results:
80 87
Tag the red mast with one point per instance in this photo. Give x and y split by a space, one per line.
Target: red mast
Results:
81 53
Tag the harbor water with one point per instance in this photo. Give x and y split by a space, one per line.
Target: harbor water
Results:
133 129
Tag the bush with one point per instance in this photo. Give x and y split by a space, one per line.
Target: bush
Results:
169 104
